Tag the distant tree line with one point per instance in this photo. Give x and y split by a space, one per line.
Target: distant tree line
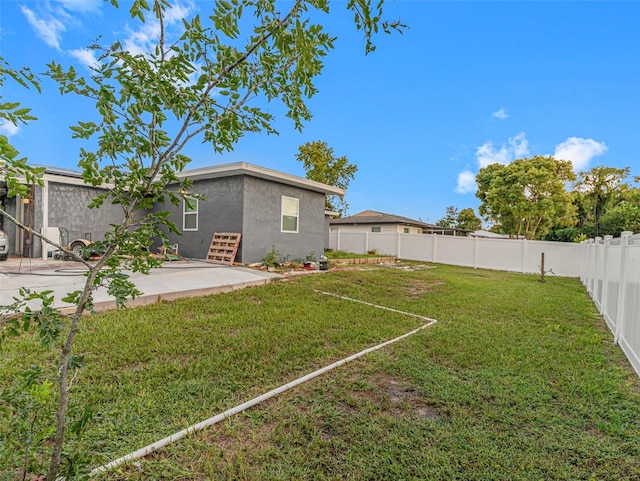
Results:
541 198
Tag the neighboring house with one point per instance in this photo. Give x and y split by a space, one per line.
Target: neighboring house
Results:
373 221
271 209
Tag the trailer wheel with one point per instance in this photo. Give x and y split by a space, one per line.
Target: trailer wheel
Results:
79 249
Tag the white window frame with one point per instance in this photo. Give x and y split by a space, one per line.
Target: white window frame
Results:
186 213
283 214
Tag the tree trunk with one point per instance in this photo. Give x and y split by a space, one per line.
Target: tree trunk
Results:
63 378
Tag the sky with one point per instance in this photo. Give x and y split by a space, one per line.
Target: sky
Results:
467 84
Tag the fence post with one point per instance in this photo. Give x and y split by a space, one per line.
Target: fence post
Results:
366 241
475 252
434 248
596 273
591 273
523 253
622 288
605 284
583 262
398 239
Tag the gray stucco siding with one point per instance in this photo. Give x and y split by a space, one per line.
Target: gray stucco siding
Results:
219 211
262 227
68 209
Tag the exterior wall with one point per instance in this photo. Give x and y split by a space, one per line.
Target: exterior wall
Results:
219 211
384 228
68 209
412 230
262 226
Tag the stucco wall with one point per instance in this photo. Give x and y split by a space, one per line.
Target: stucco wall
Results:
262 227
220 211
68 209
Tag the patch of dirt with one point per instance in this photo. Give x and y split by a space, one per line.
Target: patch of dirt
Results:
396 398
419 288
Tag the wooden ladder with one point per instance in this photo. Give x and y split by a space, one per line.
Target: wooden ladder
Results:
224 247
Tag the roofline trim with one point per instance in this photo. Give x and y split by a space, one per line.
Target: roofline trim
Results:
244 168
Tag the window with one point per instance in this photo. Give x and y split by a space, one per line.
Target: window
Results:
189 214
406 230
290 210
376 229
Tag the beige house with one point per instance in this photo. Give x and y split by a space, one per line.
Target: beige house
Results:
373 221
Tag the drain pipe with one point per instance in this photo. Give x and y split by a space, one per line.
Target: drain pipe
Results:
244 406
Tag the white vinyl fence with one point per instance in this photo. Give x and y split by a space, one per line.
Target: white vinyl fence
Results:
516 255
610 270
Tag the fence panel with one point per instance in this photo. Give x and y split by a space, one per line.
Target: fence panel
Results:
629 323
562 258
383 243
417 247
611 285
458 251
500 254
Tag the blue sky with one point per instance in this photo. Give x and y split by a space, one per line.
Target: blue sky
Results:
467 84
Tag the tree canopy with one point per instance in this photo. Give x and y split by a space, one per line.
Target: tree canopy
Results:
322 165
528 196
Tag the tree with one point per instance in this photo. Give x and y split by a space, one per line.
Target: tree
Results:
450 218
527 196
322 165
468 220
624 215
596 190
198 87
460 219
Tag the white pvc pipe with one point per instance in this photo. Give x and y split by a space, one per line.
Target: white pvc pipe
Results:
244 406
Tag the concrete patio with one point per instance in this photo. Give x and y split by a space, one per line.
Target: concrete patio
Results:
171 281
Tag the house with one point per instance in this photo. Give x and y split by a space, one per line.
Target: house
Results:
373 221
271 209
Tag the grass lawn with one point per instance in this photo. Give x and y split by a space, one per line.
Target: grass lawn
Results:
518 380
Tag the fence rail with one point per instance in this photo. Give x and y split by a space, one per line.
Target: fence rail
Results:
609 268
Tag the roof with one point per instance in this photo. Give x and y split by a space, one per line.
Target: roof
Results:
484 233
244 168
372 217
68 176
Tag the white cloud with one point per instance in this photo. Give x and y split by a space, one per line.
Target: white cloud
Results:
579 151
500 114
466 182
487 154
8 128
85 56
517 146
49 30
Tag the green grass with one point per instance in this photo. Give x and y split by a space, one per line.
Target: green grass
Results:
518 380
